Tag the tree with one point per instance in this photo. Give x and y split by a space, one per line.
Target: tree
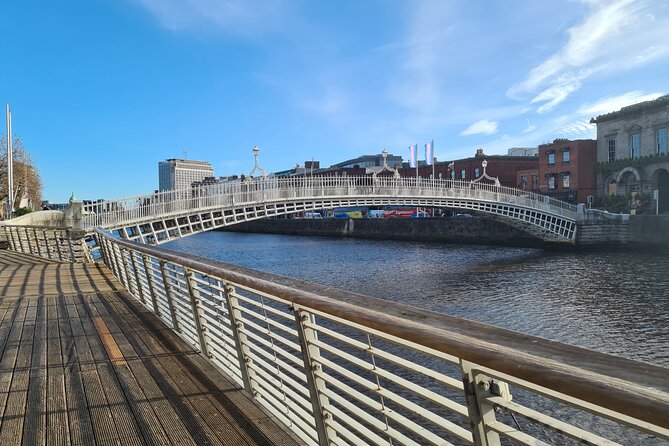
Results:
27 182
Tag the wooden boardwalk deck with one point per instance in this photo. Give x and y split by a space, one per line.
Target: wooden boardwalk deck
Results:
82 363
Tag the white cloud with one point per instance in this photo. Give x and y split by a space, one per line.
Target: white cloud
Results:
483 126
530 127
614 103
615 35
246 17
580 127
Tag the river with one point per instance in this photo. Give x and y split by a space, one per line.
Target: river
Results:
613 302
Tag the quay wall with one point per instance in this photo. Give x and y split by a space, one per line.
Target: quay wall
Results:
640 232
451 229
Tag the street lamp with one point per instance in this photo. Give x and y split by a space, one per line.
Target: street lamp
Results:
484 163
263 174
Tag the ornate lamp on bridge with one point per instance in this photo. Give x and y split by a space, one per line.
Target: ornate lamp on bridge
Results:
485 175
385 167
263 174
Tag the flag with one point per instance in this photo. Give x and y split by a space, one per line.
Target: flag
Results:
412 156
428 153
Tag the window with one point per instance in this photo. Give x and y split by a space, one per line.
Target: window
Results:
565 156
535 181
612 150
477 173
441 175
635 141
565 181
551 159
551 182
463 174
523 182
662 141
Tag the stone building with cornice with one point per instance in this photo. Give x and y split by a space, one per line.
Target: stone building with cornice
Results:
632 152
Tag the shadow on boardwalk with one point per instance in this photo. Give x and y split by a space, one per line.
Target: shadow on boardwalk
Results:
83 363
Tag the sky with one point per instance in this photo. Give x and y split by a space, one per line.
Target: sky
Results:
102 90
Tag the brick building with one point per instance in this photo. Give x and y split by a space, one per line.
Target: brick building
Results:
567 169
503 167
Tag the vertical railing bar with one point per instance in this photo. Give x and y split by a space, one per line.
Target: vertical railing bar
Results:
169 296
152 290
236 324
319 401
136 273
57 237
39 249
68 233
194 295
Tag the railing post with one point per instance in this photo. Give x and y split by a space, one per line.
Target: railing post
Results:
68 234
124 271
169 297
39 250
46 244
136 274
56 237
237 325
194 295
149 279
319 401
481 413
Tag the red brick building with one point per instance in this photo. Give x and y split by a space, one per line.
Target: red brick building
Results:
503 167
567 169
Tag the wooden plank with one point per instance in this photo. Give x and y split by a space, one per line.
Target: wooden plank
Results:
35 411
58 429
9 356
14 414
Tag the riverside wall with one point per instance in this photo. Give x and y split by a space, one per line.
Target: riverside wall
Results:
640 232
448 230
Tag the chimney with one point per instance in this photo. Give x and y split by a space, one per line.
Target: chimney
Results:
479 153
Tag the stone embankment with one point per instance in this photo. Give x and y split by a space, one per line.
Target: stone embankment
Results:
638 232
460 229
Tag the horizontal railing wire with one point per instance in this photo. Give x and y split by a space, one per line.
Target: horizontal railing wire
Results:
340 368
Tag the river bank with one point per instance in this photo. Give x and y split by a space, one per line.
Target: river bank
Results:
643 231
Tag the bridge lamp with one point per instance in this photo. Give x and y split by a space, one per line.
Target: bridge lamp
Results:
484 163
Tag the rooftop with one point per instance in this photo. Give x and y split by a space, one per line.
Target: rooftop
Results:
662 101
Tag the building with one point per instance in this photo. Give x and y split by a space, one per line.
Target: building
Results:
176 174
503 167
632 159
528 179
523 151
566 169
365 161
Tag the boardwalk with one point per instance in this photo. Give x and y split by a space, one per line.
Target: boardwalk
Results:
82 363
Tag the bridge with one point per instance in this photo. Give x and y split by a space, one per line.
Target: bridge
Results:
163 216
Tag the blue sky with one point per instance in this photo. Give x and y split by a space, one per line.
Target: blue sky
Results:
102 90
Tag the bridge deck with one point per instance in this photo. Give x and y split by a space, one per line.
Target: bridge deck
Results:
82 363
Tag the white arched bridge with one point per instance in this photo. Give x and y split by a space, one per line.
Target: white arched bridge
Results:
163 216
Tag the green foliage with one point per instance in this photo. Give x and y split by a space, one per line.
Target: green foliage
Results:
638 163
22 211
613 203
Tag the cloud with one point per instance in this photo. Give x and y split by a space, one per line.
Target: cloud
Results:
530 127
615 35
580 127
614 103
483 126
246 17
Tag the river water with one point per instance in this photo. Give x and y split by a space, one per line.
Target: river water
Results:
613 302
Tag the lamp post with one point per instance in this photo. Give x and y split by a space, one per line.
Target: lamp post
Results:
484 163
263 174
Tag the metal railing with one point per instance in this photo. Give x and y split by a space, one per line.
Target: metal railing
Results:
341 368
235 194
55 243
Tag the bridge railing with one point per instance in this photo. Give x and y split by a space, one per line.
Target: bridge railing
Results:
340 368
55 243
167 203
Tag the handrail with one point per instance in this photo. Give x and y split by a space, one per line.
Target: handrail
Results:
634 389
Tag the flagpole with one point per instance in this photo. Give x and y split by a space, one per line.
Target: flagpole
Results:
10 166
432 155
